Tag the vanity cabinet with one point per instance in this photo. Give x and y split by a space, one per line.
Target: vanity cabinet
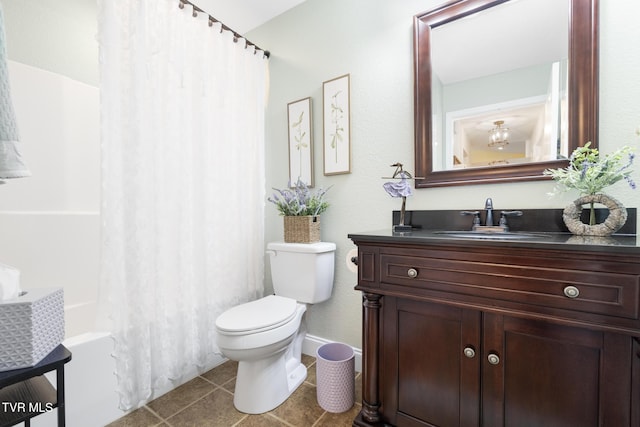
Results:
476 333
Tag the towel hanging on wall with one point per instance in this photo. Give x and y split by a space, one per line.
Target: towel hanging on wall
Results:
11 164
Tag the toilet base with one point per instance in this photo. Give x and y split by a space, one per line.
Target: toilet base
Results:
268 374
262 385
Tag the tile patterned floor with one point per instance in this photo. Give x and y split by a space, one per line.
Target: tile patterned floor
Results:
207 401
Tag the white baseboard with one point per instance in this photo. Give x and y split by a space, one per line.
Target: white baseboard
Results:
311 344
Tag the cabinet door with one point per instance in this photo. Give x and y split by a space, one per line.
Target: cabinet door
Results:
537 374
428 379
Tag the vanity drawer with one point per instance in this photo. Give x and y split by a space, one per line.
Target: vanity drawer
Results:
599 292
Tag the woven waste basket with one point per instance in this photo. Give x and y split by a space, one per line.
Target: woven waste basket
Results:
335 372
301 229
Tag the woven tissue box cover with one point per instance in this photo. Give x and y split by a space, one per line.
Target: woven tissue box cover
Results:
31 326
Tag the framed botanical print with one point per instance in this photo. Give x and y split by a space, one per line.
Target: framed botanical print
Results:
336 125
300 142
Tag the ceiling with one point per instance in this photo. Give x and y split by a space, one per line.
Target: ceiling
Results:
513 35
245 15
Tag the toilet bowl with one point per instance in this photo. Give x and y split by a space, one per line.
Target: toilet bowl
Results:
268 351
265 336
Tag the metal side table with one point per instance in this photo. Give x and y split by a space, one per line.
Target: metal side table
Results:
26 393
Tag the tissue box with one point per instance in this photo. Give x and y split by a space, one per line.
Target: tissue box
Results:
31 326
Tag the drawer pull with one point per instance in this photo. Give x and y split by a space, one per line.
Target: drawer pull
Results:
571 292
412 272
493 358
469 352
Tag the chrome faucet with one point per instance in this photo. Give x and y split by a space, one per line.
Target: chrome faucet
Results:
489 226
488 206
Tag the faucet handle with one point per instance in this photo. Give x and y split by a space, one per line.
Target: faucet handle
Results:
476 216
510 213
505 214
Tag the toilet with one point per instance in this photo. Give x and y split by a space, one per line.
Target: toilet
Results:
265 336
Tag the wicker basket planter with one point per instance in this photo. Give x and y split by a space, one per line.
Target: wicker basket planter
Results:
301 229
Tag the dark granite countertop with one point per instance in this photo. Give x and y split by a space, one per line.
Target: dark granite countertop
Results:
539 229
565 241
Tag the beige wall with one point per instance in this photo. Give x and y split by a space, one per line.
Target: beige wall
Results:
372 41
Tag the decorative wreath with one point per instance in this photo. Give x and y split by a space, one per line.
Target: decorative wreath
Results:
616 219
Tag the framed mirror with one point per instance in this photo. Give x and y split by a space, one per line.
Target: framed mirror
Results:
503 89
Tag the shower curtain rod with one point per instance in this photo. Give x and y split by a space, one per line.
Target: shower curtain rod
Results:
212 20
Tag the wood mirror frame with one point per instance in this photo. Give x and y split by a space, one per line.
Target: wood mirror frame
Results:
582 98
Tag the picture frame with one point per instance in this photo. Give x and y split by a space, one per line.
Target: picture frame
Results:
336 113
300 120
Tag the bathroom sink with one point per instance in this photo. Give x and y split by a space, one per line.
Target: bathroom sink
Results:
492 235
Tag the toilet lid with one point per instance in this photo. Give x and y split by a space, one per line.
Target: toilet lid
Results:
263 314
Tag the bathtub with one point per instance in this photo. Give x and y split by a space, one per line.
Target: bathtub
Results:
90 384
91 399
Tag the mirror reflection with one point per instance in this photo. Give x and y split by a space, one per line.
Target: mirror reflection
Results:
500 97
559 53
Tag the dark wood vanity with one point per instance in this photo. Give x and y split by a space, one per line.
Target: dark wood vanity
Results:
475 332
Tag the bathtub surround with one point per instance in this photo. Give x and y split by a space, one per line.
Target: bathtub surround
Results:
182 158
50 225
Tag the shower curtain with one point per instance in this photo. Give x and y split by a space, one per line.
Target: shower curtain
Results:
182 150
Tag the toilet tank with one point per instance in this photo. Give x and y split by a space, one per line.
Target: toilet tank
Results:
302 271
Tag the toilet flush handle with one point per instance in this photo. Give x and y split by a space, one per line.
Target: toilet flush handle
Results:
271 252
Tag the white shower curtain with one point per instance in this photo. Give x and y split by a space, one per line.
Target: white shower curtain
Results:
182 116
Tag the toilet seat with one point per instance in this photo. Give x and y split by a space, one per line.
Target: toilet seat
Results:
260 315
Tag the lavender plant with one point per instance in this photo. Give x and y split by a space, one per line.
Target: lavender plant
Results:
589 172
299 200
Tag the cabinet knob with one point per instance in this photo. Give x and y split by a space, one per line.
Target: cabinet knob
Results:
469 352
571 291
412 272
493 358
